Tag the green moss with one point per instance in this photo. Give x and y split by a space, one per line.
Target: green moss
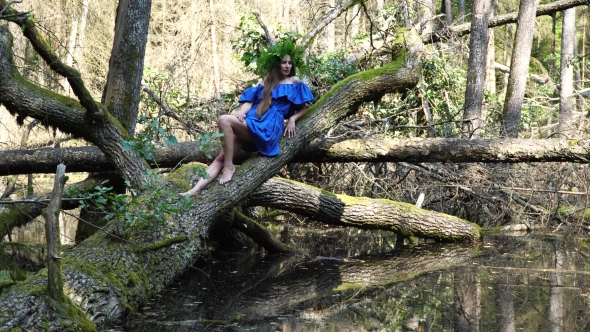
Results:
181 174
404 38
80 321
271 214
164 243
347 286
572 142
5 284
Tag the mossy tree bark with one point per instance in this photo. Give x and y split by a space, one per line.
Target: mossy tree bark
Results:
55 280
107 277
419 150
362 212
82 118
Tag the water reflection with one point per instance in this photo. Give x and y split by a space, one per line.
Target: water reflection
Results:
531 283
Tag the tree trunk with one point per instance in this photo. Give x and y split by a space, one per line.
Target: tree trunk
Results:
275 288
556 310
461 12
519 67
476 70
448 11
216 84
491 57
122 90
330 30
86 119
106 276
506 306
362 212
567 125
414 150
55 279
467 293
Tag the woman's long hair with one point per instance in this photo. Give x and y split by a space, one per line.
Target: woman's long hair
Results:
271 80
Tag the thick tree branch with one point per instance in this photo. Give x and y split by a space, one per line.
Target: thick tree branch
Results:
464 29
27 24
333 14
270 39
167 110
259 234
535 78
418 150
26 99
362 212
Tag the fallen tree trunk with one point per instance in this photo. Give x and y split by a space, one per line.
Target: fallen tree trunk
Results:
362 212
419 150
106 277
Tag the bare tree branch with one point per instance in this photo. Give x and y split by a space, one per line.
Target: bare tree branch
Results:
464 29
270 39
338 9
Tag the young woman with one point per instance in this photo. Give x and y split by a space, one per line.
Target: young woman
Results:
260 120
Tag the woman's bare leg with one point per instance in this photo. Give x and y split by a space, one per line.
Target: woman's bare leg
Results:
213 170
235 136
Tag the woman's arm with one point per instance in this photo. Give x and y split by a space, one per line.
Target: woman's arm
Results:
290 128
244 108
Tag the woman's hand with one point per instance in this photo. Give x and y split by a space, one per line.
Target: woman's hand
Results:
290 128
240 115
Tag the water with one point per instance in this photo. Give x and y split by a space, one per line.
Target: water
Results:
352 280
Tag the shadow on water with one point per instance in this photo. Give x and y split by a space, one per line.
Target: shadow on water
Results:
351 280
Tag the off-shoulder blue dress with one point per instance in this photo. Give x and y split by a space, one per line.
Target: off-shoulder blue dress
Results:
286 100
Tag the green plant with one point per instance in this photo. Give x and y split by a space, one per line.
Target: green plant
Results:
252 44
149 211
329 68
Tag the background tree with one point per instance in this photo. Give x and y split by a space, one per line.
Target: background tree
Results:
521 54
567 106
476 69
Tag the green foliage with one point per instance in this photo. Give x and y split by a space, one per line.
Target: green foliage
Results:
159 201
272 56
252 42
254 52
146 140
130 211
329 68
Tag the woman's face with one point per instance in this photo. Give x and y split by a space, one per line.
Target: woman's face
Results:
286 66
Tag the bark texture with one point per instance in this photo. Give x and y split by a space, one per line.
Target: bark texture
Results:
362 212
122 90
567 125
476 69
106 277
51 215
507 150
86 118
519 67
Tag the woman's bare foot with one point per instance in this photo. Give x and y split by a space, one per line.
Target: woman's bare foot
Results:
227 175
189 193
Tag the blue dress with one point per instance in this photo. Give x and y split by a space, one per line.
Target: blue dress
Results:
286 100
